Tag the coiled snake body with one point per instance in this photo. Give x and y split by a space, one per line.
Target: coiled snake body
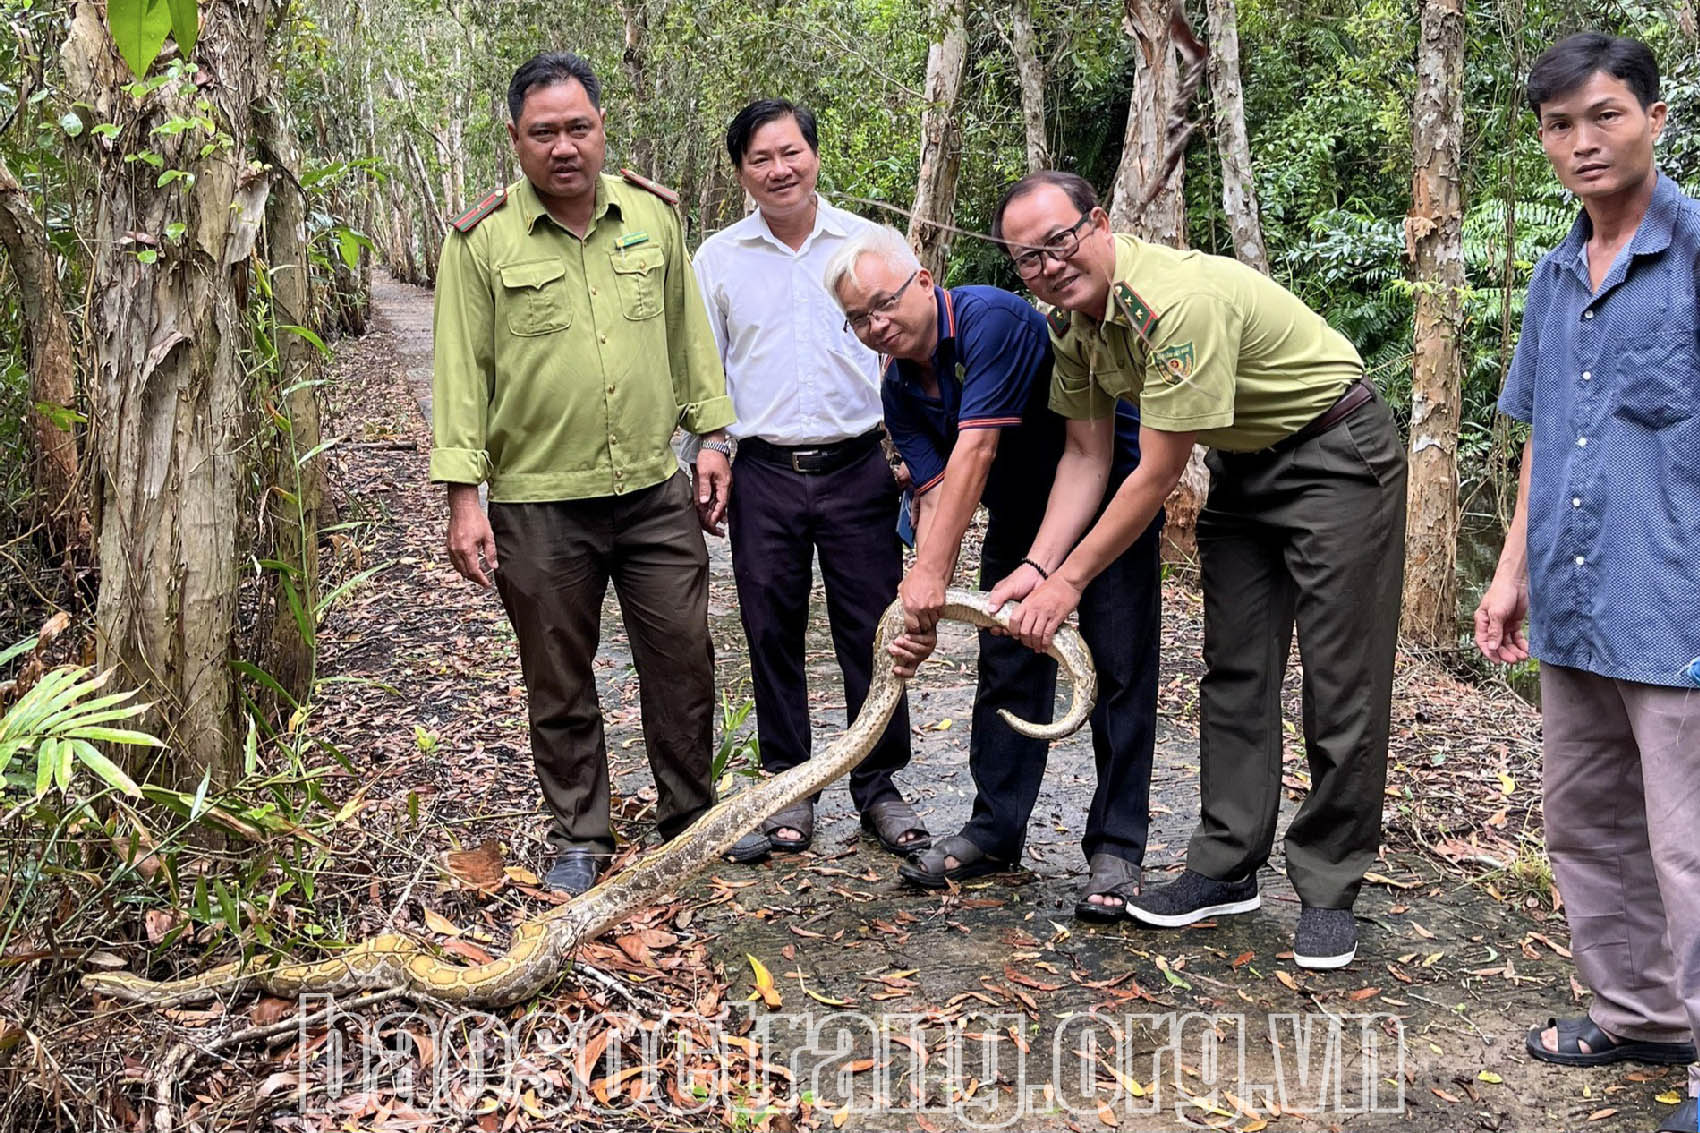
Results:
543 946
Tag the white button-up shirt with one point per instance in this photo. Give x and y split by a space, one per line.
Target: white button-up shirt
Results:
795 374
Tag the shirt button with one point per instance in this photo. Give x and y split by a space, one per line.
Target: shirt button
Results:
1575 501
1587 314
1581 442
604 340
610 389
593 291
1587 375
1580 560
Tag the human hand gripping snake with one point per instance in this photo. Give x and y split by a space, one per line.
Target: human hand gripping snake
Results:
543 946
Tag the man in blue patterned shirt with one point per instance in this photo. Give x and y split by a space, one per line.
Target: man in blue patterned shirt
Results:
1604 558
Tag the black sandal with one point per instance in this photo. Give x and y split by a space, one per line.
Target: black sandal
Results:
1111 876
753 847
927 869
1604 1050
1682 1119
889 820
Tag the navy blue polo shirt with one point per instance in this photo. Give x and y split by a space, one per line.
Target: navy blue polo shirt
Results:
993 364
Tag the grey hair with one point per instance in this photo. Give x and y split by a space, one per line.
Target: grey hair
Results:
880 240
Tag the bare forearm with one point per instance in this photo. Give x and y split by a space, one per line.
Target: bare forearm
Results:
1075 496
1514 556
948 509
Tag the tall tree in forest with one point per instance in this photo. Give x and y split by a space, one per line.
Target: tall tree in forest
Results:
634 22
1145 145
296 469
1148 199
1233 147
941 136
1030 75
1434 242
179 210
59 504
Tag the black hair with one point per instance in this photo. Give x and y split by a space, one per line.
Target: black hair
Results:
758 114
1078 188
1572 61
548 69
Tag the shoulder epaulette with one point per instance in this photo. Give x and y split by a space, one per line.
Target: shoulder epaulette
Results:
471 218
1138 311
1057 318
646 184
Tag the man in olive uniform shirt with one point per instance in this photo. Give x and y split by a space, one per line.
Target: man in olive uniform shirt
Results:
570 342
1305 522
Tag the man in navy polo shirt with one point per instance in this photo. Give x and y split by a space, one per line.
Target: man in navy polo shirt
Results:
965 393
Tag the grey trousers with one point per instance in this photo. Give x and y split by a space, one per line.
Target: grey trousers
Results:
1621 802
1312 536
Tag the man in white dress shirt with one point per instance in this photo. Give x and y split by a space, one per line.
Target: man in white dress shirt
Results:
812 476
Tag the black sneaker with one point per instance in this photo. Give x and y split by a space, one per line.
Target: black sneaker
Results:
1326 938
1192 897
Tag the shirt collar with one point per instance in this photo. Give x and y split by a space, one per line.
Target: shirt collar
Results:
827 219
1652 235
531 208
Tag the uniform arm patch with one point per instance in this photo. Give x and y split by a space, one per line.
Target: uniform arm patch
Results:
471 218
647 185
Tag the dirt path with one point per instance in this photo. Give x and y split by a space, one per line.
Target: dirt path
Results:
1423 1032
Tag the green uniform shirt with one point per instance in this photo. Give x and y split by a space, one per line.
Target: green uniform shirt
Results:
1225 352
564 365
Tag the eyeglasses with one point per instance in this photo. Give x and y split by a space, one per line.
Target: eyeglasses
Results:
858 321
1060 247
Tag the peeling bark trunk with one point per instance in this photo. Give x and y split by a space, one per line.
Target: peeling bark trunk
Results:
1145 145
167 390
941 138
1030 72
1145 158
635 33
1434 241
1239 189
57 500
297 480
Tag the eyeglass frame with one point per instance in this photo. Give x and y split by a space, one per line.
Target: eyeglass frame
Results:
883 307
1068 236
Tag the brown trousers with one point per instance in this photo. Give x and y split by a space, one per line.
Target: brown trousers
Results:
555 563
1621 801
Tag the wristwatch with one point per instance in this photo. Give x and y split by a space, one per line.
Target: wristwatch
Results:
724 448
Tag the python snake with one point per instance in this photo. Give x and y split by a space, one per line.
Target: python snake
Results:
542 946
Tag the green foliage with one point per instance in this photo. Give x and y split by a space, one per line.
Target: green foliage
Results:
139 29
55 726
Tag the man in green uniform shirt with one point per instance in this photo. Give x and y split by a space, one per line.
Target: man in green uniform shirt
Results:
1305 521
570 342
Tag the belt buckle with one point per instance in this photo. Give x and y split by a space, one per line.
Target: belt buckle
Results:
809 456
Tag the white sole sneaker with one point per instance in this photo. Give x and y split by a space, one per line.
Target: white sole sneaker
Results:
1322 963
1179 920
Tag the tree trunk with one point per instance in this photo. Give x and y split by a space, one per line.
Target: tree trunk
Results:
286 651
635 27
167 394
1239 189
1030 72
1145 145
941 137
56 493
1145 158
1433 239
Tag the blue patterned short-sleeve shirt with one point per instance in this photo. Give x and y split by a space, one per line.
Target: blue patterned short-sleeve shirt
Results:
1610 382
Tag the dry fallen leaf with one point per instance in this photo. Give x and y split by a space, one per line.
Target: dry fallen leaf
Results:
479 869
1292 984
269 1010
1244 958
1601 1114
764 983
436 922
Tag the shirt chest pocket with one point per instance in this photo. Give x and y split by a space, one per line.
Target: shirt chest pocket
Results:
1658 384
638 275
534 296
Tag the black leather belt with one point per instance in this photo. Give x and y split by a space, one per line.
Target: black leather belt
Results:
813 459
1356 394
